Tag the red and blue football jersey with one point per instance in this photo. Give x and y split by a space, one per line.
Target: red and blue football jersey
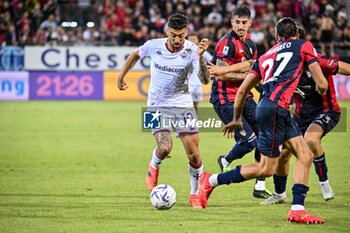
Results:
231 50
308 101
281 67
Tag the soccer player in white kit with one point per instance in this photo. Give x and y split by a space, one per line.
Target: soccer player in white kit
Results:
173 60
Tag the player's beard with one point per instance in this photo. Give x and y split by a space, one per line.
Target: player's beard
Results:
241 33
176 46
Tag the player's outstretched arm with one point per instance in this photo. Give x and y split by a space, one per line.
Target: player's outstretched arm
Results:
250 81
203 75
344 68
234 73
318 77
129 63
223 68
232 77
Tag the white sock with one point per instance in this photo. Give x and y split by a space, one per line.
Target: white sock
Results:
194 174
260 185
298 207
323 182
213 180
155 162
224 162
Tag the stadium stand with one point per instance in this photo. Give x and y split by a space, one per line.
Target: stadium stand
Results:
132 22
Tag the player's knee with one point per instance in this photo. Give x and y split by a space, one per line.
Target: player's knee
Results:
312 142
267 172
307 157
266 169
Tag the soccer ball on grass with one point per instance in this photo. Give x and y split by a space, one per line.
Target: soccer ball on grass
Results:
163 197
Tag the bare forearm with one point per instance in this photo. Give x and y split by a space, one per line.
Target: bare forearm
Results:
318 77
239 67
203 75
238 106
129 63
344 68
232 77
234 68
241 94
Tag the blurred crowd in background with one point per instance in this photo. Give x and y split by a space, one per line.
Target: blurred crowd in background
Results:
132 22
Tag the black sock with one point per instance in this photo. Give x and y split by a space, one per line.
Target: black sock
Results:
321 167
299 194
233 176
280 183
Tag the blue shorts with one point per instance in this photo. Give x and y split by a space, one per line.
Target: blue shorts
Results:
275 126
326 120
225 112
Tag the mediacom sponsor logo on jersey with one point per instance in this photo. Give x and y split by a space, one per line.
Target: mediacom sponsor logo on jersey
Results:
167 68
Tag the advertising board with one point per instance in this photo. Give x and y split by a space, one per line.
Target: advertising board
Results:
14 85
66 85
79 58
138 82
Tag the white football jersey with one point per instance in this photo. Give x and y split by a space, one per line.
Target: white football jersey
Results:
170 72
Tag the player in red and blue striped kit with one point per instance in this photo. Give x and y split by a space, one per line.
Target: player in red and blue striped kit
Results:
280 69
316 115
236 48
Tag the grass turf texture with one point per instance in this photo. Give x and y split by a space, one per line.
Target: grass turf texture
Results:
80 167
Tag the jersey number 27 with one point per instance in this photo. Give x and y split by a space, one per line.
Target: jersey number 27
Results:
268 64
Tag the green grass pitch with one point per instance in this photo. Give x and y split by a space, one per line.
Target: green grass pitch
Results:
80 167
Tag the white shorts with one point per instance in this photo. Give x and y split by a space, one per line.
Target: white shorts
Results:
196 92
182 120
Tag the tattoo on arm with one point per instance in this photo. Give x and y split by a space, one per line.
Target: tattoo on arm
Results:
221 63
235 77
203 74
232 77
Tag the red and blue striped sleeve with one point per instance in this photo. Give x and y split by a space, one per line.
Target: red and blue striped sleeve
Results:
329 66
308 52
256 69
222 49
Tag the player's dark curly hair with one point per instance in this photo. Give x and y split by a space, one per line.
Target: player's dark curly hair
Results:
241 12
286 28
301 33
177 21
